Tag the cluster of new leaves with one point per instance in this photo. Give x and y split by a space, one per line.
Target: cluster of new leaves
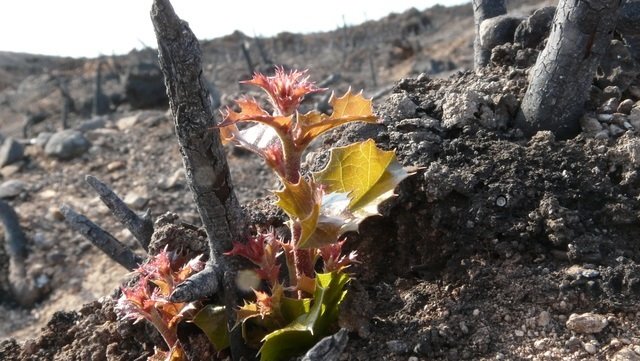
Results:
290 313
148 298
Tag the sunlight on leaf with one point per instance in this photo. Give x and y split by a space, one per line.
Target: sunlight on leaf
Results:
363 171
357 179
348 108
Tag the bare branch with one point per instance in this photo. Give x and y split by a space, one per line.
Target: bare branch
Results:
23 289
15 239
101 239
561 79
205 163
140 227
482 10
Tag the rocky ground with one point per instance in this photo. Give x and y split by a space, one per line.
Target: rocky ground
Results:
500 247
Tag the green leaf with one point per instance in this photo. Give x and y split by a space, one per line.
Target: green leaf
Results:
301 202
310 326
212 320
292 308
366 174
347 108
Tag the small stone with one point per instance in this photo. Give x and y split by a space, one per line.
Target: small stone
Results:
615 130
397 347
619 119
48 194
626 354
413 358
92 124
572 343
590 124
519 333
135 200
634 118
540 344
42 139
604 117
499 356
603 134
590 348
543 319
590 273
42 281
12 188
56 257
612 91
67 144
11 151
625 106
54 214
609 106
127 122
115 165
476 312
586 323
166 183
9 170
464 328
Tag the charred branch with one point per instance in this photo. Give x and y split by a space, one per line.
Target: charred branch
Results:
247 57
23 289
205 162
266 60
483 10
563 73
101 239
15 239
140 226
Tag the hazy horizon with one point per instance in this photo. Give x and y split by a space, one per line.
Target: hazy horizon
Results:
89 28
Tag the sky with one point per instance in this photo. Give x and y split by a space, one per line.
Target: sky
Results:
88 28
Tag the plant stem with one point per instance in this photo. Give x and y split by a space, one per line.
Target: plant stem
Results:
291 161
169 336
301 257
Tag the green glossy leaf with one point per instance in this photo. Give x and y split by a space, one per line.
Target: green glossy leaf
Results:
293 308
361 173
301 202
311 325
212 320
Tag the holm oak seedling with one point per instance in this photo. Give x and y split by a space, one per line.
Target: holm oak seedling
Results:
292 309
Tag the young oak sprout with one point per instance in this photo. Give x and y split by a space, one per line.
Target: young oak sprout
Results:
321 208
289 311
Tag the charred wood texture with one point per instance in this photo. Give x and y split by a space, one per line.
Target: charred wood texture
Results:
140 226
203 156
629 26
562 76
101 239
247 57
483 10
23 289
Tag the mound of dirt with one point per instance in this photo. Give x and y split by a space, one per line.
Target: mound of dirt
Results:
491 247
